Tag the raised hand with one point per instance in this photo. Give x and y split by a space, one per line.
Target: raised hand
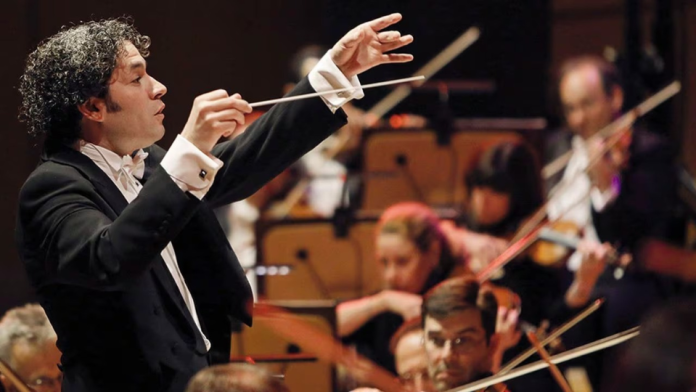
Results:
366 46
213 115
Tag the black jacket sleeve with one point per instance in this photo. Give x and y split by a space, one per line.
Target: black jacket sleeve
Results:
271 144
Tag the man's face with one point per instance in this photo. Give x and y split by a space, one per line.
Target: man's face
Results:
412 363
37 367
457 350
404 267
133 119
587 107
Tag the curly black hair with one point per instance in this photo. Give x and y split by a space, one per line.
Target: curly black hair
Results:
69 68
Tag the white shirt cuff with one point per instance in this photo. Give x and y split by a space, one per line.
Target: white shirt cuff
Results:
326 76
600 200
191 169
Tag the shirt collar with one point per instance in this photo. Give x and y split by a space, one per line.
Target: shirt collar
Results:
105 158
579 145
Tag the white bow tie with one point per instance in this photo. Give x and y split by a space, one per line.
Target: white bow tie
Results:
134 166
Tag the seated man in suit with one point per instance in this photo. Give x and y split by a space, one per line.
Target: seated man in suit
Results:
117 235
624 200
28 346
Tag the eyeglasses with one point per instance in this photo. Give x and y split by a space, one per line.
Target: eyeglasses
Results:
460 345
46 384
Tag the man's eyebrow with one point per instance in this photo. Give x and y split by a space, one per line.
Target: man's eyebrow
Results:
136 65
458 333
467 330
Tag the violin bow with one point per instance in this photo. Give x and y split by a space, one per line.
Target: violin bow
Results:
555 372
558 164
578 352
613 132
17 382
555 334
448 54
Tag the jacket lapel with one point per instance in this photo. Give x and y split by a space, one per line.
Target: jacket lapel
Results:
114 198
102 183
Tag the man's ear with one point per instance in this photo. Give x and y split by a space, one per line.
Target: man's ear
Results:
93 109
617 99
494 343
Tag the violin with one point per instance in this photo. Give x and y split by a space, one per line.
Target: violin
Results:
555 241
552 246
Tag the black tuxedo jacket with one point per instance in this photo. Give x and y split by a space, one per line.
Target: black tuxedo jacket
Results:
95 259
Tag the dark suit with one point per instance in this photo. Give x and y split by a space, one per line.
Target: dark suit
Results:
644 208
95 260
648 198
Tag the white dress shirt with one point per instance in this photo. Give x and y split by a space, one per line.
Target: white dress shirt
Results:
574 203
185 163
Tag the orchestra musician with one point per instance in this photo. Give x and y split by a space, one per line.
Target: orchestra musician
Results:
407 345
617 204
414 255
459 321
504 188
28 347
117 235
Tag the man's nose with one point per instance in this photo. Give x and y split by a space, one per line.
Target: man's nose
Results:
158 89
577 118
447 352
390 275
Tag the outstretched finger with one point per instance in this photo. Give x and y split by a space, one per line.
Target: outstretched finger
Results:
381 23
396 58
388 36
401 42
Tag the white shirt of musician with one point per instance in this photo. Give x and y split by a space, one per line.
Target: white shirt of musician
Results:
572 204
184 161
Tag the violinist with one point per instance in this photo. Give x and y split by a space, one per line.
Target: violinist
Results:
625 199
504 189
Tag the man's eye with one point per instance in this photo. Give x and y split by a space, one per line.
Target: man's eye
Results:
437 342
137 80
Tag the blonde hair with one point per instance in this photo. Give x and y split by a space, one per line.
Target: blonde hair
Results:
414 221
